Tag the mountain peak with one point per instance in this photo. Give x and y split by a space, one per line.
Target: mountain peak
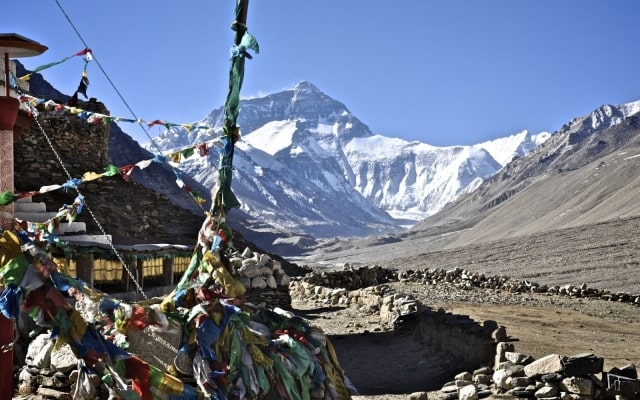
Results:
305 86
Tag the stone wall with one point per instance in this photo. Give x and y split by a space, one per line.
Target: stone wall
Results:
465 342
130 212
81 146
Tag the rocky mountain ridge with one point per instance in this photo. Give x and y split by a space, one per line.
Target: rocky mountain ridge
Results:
580 184
306 168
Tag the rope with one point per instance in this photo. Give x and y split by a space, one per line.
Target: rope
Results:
106 75
93 216
140 124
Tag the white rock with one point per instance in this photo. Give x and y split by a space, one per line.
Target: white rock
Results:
463 376
546 392
249 270
419 396
39 352
250 261
468 392
63 359
258 282
516 358
271 282
546 365
236 261
578 385
264 260
500 378
247 253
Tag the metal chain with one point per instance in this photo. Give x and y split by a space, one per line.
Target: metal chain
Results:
95 219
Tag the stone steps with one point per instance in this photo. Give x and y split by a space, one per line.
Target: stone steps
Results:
74 232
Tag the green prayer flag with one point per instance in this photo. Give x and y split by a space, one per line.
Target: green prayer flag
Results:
7 198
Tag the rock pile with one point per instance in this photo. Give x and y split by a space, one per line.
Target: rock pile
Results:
555 376
54 373
263 277
352 278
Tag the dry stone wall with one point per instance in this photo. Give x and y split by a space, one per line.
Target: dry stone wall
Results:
81 146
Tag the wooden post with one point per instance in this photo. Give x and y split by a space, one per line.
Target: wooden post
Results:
126 280
6 357
167 271
241 20
84 268
17 46
140 273
8 113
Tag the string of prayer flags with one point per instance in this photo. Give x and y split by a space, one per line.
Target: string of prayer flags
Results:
84 52
98 118
8 197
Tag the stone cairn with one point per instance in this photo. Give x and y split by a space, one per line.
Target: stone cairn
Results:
55 373
265 280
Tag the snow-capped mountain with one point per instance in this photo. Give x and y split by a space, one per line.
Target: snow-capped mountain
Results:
412 180
586 173
306 165
505 149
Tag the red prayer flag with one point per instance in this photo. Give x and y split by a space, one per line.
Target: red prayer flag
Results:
156 122
140 374
203 149
126 172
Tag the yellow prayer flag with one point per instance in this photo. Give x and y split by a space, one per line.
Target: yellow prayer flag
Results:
91 176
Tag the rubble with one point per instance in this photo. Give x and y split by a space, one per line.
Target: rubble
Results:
555 376
362 287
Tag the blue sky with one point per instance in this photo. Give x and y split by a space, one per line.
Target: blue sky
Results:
446 72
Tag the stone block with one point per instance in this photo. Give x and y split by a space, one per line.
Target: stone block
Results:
156 348
516 358
258 282
549 364
39 352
